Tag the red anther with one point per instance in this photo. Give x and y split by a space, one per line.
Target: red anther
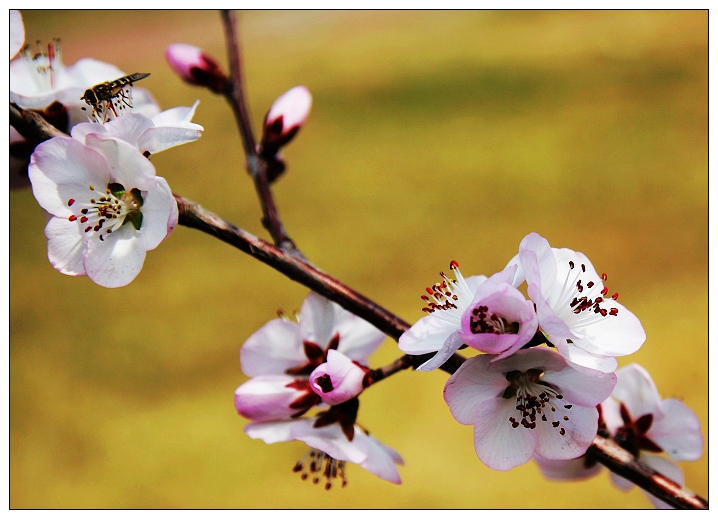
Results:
604 291
570 264
583 267
83 219
425 298
72 218
454 265
614 311
615 296
430 291
70 201
604 277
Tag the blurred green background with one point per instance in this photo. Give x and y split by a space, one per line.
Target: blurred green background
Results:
433 136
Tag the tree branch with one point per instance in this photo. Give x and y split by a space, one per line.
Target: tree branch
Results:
255 164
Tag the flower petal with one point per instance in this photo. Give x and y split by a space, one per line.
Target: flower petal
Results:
159 210
117 260
580 388
266 398
17 32
497 443
451 345
65 246
272 349
678 432
470 386
636 389
580 430
127 165
428 334
576 469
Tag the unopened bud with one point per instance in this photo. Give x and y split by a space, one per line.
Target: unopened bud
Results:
196 67
337 380
287 115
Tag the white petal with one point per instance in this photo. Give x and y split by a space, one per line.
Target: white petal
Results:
636 389
271 432
580 430
17 32
381 460
65 246
177 116
523 360
330 439
617 335
538 261
427 335
117 260
62 169
451 345
668 469
497 443
358 339
127 165
678 432
155 140
471 385
318 318
158 209
272 349
580 388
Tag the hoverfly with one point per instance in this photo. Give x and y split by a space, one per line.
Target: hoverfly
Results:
102 97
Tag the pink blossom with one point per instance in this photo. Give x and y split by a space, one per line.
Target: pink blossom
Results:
575 313
531 402
338 379
286 117
196 67
17 32
488 314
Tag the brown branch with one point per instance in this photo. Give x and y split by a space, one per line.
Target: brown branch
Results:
255 164
32 125
605 451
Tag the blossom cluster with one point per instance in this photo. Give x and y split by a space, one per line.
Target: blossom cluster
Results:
318 363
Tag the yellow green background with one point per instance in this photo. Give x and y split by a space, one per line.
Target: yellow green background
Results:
433 136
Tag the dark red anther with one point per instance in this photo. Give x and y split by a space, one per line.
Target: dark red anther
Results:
83 219
614 296
454 265
589 284
70 201
604 291
614 311
72 218
583 267
604 277
429 291
570 264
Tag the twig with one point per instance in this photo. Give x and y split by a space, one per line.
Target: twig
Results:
32 125
605 451
256 165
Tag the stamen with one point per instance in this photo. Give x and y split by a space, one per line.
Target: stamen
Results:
318 465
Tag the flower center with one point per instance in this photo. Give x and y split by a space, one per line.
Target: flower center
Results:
43 66
535 398
581 300
105 213
449 298
632 435
482 322
320 465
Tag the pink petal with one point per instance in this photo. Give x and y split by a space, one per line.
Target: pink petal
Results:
65 246
117 260
266 398
345 376
451 345
678 432
580 430
159 214
427 335
636 389
567 470
581 388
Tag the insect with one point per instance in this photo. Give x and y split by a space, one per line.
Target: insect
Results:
103 96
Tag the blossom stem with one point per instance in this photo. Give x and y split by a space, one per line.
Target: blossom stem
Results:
256 165
604 450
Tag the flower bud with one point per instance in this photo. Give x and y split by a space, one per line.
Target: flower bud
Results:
337 380
287 115
196 67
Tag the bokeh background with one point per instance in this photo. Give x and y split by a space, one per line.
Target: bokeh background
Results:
434 136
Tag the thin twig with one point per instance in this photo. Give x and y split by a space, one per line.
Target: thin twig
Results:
32 125
256 165
605 451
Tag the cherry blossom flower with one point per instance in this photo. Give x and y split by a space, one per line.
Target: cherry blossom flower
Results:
196 67
488 314
531 402
339 379
281 356
334 439
643 424
106 203
587 327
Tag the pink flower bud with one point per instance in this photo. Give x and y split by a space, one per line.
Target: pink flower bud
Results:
287 115
196 67
337 380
